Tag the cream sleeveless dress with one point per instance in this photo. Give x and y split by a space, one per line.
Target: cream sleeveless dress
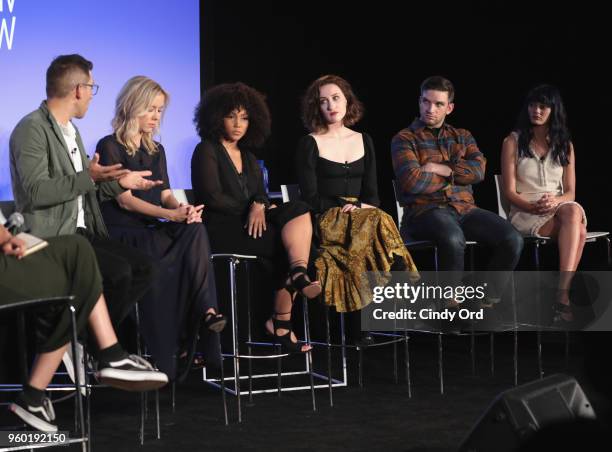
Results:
534 177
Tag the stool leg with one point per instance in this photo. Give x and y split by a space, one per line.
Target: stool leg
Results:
309 357
249 331
473 351
235 337
567 349
395 365
440 368
536 256
143 404
143 395
173 397
223 395
539 346
515 357
360 367
77 382
279 368
157 413
407 363
492 352
514 331
329 369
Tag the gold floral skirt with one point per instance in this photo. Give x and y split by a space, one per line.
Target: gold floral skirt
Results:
351 244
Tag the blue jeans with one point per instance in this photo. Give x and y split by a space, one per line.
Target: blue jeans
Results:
449 231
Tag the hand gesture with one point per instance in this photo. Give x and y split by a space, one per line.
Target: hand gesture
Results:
135 180
256 222
5 235
14 247
194 213
102 173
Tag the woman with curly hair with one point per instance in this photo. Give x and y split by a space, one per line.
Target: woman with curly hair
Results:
231 119
539 180
336 169
182 304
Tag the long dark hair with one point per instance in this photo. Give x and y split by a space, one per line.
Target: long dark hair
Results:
558 133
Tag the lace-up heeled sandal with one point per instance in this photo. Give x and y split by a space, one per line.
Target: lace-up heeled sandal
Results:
299 282
285 340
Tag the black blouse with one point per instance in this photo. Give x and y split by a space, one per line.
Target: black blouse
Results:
218 185
112 152
323 183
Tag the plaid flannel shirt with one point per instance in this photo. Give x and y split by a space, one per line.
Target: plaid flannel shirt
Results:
418 190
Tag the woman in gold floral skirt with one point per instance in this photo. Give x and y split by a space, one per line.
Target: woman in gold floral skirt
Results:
336 169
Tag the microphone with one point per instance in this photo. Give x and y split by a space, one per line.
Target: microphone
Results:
14 223
542 159
74 150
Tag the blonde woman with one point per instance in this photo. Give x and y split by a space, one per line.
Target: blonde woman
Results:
183 299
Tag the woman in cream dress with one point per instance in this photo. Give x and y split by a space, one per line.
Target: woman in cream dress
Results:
539 180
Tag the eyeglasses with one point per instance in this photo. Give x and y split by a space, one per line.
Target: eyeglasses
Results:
93 86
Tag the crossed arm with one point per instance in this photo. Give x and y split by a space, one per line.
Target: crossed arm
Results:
465 167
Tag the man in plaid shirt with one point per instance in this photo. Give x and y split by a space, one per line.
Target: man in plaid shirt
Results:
435 166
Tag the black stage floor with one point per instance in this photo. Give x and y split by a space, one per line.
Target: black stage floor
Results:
381 416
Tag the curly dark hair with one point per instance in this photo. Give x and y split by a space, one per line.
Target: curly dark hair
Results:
558 132
221 100
311 109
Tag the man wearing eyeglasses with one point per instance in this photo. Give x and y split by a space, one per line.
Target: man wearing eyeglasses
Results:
57 188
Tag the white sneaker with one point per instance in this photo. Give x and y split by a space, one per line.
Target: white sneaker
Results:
40 417
132 373
69 364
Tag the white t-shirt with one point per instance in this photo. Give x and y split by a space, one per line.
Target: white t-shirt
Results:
69 133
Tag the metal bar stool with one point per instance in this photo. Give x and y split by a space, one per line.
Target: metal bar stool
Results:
80 427
503 210
234 260
471 245
291 192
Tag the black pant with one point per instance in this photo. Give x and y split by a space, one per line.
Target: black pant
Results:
127 274
449 231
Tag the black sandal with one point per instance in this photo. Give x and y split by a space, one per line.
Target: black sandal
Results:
302 284
285 340
214 322
562 314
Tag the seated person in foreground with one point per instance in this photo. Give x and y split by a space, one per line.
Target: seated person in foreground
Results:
66 267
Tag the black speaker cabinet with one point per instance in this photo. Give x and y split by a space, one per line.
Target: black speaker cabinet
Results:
519 412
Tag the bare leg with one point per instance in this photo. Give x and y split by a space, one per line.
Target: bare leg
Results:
570 233
47 363
100 324
571 237
45 366
296 237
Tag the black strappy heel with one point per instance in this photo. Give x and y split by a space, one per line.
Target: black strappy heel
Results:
214 322
285 340
301 284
